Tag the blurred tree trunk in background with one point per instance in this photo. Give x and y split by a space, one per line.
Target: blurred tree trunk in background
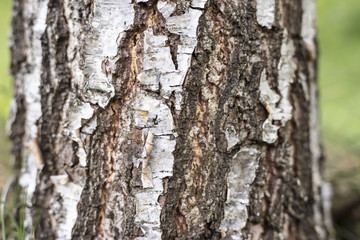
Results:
187 119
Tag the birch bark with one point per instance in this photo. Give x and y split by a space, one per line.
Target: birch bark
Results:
149 119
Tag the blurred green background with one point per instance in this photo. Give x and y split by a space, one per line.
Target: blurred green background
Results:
5 88
339 84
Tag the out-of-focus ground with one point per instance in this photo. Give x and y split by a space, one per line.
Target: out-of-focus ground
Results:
339 83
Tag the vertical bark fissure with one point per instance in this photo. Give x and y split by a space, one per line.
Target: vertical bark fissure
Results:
215 123
289 194
55 149
129 195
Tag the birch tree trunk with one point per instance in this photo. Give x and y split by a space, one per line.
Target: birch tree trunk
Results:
188 119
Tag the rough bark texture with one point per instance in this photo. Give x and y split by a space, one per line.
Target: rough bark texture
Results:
186 119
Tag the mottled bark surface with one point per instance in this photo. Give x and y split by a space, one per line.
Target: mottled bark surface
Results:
187 119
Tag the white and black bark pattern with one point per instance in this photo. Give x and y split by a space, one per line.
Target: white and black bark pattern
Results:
186 119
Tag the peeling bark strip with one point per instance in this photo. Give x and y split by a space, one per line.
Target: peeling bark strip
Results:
162 119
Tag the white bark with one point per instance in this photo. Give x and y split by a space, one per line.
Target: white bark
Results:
265 12
242 175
